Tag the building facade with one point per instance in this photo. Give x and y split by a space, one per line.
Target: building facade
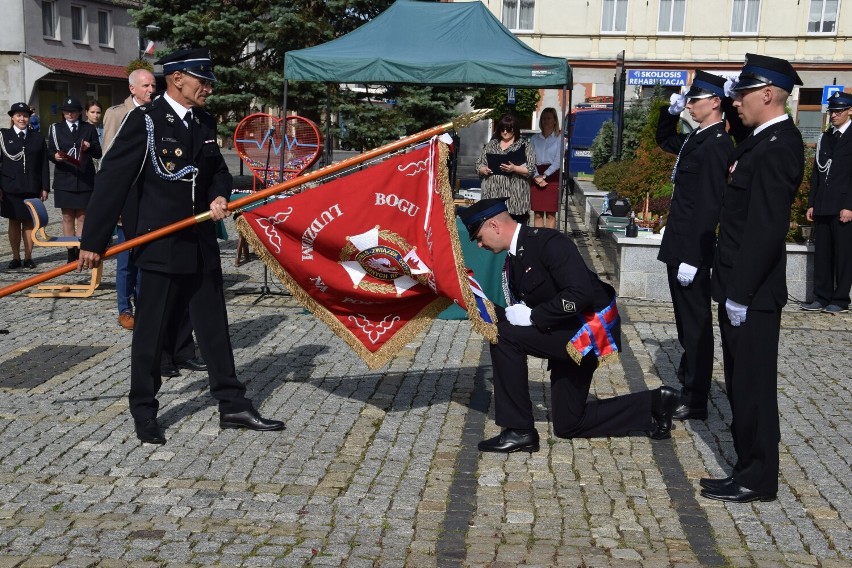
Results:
50 49
665 40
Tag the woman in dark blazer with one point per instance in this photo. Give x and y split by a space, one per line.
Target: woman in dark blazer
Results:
23 175
72 144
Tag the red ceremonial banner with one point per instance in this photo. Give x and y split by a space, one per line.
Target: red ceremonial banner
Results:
375 255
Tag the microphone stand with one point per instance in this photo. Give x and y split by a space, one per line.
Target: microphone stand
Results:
264 289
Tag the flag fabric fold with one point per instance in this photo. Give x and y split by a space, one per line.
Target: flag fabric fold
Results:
375 255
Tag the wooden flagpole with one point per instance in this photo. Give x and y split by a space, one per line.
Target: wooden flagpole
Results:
455 124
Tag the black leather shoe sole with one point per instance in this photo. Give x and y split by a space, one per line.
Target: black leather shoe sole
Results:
510 441
169 372
250 421
684 412
195 364
733 493
149 432
714 483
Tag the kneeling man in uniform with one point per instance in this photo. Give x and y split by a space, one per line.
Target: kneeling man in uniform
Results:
561 311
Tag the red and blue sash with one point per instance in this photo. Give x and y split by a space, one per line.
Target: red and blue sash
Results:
596 334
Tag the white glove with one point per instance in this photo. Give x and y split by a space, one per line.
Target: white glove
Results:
736 312
729 86
519 314
677 102
686 274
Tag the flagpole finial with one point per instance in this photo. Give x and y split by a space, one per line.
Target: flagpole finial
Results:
465 120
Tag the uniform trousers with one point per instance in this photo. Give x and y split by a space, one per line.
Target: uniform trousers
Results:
694 321
832 260
162 301
750 353
573 416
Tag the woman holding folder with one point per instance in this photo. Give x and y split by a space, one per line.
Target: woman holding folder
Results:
506 165
71 145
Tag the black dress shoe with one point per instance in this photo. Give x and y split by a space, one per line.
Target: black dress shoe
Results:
249 419
715 483
684 412
511 441
665 400
194 364
14 263
148 431
169 371
735 493
28 263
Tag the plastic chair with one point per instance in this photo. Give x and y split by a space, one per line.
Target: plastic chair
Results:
38 212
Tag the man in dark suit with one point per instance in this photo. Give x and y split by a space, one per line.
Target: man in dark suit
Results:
749 273
689 240
168 148
830 210
557 310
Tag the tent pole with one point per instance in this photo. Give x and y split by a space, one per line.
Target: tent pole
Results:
566 121
329 147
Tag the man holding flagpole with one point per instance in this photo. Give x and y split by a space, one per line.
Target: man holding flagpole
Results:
561 311
168 150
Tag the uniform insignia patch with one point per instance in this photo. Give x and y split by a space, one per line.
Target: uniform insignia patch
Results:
170 166
569 306
178 152
773 139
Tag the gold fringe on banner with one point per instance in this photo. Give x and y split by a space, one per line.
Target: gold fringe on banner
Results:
422 320
483 328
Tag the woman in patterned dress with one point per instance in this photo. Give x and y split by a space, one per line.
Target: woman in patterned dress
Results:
512 180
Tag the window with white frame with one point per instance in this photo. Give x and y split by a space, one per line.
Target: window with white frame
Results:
672 14
823 16
104 28
78 24
49 28
614 16
518 14
745 16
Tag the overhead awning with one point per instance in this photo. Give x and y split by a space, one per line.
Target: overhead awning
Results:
83 68
430 43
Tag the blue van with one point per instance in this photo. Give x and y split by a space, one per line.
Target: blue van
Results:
586 122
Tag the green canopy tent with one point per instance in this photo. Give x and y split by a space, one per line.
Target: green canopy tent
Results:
429 43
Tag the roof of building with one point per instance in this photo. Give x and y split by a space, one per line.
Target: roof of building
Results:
85 68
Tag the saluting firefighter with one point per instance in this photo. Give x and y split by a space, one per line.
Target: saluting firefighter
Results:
689 241
168 148
830 210
71 145
561 311
749 273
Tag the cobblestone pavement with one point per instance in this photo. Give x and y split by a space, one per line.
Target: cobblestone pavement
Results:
381 468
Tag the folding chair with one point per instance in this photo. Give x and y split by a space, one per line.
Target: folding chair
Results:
38 212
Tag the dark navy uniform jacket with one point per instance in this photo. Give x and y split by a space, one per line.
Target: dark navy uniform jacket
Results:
549 275
68 177
159 201
13 179
764 174
699 182
832 191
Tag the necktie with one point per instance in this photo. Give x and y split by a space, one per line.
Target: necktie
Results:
74 129
187 119
837 134
21 135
